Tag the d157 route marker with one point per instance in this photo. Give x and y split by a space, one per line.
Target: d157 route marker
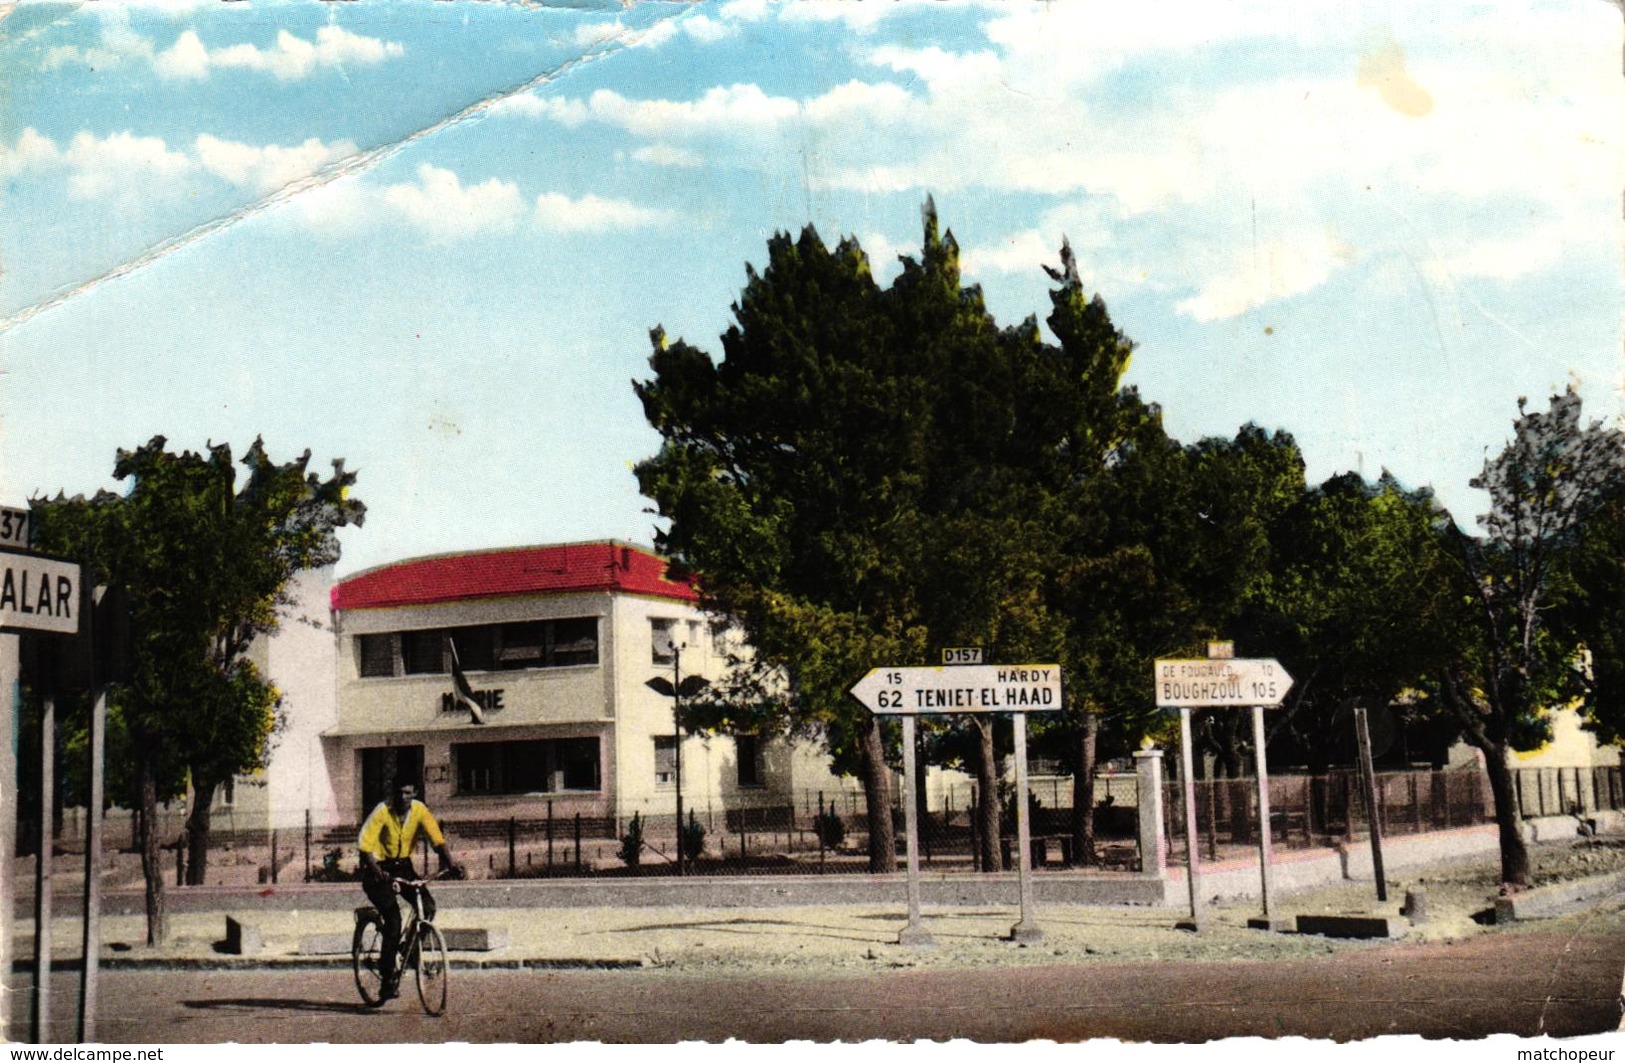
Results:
961 688
1213 684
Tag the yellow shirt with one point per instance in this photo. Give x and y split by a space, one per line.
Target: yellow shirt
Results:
387 838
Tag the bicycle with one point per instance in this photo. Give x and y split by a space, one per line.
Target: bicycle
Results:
422 947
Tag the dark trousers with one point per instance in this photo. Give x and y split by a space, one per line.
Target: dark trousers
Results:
382 895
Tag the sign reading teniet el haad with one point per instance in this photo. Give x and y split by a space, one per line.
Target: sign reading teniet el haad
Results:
1209 684
38 594
961 688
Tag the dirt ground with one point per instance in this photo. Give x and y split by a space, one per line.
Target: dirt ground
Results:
837 940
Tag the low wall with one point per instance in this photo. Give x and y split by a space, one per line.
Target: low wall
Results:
1305 869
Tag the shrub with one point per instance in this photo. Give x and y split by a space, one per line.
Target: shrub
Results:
332 869
830 828
693 838
632 842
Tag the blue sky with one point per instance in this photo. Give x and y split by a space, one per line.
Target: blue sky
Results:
431 238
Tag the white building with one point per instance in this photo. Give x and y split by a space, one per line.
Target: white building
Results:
559 642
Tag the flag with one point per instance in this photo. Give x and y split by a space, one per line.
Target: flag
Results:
460 687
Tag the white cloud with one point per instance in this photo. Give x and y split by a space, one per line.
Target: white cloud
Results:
859 16
289 59
130 165
707 30
121 163
31 152
1258 275
734 109
569 113
701 29
442 206
267 167
336 208
667 155
591 213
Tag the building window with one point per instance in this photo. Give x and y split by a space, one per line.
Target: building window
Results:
423 652
665 760
576 761
476 647
377 655
719 638
482 648
749 754
573 642
536 766
663 640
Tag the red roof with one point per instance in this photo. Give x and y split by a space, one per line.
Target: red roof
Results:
573 567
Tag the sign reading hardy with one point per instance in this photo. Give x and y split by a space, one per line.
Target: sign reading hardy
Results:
962 688
1205 684
38 594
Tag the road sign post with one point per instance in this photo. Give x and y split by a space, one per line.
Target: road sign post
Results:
1220 681
953 689
914 933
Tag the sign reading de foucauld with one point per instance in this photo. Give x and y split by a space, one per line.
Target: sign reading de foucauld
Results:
38 594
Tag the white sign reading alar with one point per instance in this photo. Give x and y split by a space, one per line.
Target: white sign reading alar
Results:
14 527
961 688
38 594
1209 684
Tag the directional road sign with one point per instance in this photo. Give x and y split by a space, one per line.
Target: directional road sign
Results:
961 688
1210 684
38 594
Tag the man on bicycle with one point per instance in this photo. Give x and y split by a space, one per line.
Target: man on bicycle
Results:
386 855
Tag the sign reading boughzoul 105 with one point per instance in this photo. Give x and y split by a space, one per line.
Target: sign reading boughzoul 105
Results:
961 688
38 594
1207 684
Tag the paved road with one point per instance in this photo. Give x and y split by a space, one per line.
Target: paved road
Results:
1524 983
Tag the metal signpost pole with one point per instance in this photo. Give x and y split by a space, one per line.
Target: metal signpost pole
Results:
677 726
1363 734
1025 932
1187 781
1265 881
1222 681
93 871
913 934
42 873
959 688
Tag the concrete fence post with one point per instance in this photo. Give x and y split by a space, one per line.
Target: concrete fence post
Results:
1153 846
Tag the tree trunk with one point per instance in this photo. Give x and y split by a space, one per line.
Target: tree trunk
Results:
1514 854
877 793
151 858
1083 793
987 781
197 830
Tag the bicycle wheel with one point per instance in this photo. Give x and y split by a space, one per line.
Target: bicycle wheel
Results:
366 956
432 968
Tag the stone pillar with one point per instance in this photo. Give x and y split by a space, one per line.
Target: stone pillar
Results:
1153 845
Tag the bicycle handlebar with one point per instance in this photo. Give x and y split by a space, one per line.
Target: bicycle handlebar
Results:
397 881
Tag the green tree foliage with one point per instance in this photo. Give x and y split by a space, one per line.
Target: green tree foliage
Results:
869 475
207 562
1594 615
1366 603
1545 487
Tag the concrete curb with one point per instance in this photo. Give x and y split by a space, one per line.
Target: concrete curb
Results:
1548 902
775 891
